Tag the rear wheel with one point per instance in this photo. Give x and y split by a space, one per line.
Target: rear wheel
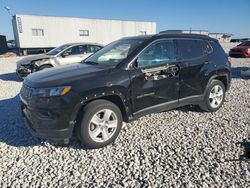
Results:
214 96
100 125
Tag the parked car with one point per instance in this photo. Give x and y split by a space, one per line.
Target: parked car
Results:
245 72
11 44
62 55
125 80
240 40
242 50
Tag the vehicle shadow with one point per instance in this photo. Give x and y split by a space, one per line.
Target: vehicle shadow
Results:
190 108
236 73
14 132
246 147
12 128
10 77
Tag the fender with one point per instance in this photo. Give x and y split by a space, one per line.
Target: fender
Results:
38 63
124 104
214 76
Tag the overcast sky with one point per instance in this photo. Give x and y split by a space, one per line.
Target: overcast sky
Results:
213 15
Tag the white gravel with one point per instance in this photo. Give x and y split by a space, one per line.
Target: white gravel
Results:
179 148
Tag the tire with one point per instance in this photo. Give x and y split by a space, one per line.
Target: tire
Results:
44 67
95 130
214 96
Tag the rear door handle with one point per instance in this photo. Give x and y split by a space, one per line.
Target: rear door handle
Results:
206 62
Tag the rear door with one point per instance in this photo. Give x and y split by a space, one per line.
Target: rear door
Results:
193 61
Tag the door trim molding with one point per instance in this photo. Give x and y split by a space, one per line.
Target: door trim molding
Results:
156 108
195 99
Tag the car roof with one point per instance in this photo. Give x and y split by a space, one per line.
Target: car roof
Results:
171 35
82 43
138 37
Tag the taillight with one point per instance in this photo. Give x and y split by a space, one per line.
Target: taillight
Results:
248 50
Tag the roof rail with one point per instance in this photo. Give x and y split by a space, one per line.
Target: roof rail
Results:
171 32
180 32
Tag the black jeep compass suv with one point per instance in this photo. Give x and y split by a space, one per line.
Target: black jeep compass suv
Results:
125 80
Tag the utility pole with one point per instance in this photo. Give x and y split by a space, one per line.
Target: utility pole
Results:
8 9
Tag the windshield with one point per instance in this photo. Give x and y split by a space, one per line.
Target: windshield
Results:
59 49
115 52
245 43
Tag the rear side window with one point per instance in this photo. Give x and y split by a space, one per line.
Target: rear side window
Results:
190 49
93 48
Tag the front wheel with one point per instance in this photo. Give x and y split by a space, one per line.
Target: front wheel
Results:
214 96
44 67
100 125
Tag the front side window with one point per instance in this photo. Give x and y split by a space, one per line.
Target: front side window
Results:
159 53
115 52
190 49
84 33
37 32
58 50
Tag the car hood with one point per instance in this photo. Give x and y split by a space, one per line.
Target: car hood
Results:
30 58
63 75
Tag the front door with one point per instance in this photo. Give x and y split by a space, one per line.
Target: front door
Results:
155 80
74 54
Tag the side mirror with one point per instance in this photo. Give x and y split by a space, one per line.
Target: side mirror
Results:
65 54
133 65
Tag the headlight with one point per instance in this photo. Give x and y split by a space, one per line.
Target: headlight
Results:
51 92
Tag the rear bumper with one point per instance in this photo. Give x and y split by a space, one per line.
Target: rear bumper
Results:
56 128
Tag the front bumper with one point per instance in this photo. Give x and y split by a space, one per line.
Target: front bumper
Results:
53 124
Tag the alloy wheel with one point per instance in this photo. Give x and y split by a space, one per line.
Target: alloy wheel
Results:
216 96
103 125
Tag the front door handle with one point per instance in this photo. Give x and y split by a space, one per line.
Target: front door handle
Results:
162 72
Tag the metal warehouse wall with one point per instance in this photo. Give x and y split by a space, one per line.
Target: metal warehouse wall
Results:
3 44
60 30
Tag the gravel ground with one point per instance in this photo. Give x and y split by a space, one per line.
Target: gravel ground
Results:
179 148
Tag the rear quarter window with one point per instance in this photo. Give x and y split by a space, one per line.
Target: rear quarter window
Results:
190 49
207 48
218 50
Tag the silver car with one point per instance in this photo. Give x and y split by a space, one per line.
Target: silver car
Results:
62 55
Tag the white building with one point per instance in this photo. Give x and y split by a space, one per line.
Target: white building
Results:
44 32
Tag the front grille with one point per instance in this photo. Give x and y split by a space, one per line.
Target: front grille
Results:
26 91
